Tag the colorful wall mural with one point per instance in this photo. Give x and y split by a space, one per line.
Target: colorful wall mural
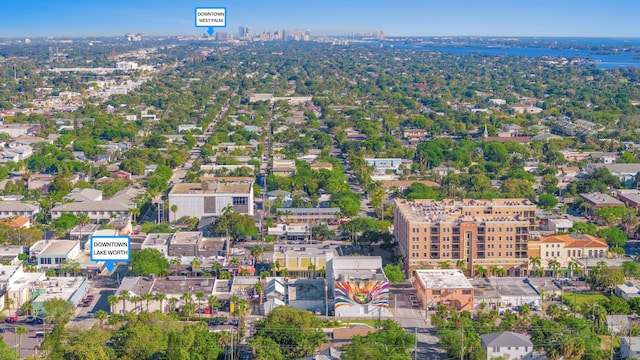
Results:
350 293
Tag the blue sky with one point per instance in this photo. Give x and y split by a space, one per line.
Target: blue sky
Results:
586 18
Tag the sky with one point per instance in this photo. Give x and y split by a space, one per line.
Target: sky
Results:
572 18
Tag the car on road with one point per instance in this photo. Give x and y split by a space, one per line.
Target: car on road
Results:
2 330
11 319
30 320
234 323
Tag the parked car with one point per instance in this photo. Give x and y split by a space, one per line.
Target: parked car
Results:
90 297
2 330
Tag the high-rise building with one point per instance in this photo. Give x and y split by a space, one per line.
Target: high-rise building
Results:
488 233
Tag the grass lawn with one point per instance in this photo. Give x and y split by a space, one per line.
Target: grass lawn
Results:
586 297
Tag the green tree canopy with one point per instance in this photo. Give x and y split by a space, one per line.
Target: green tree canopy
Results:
297 332
394 273
148 261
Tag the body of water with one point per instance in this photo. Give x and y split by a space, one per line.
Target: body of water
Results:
602 61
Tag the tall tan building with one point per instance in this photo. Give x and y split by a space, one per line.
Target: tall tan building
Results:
479 232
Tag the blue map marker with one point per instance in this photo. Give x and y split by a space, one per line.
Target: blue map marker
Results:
211 17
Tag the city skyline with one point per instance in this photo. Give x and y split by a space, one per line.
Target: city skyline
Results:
30 18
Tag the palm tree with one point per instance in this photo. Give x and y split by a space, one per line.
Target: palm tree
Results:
213 303
83 220
501 272
444 264
480 270
200 296
276 266
173 302
161 297
493 269
101 315
322 272
147 297
571 267
629 220
21 330
195 266
112 300
312 270
135 300
256 251
284 272
245 272
234 261
176 263
535 261
461 265
224 275
174 210
216 267
187 298
554 265
135 212
124 296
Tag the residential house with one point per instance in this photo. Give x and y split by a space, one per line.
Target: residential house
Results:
14 208
625 172
630 347
507 345
283 167
121 174
101 211
525 109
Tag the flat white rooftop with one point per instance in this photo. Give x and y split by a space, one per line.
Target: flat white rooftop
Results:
443 279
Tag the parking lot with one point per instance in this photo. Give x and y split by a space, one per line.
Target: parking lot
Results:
29 340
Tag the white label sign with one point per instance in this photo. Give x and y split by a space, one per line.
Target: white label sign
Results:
110 248
211 17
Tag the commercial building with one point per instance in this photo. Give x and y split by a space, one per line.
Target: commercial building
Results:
570 247
359 287
210 198
596 200
297 259
71 289
479 232
57 252
443 287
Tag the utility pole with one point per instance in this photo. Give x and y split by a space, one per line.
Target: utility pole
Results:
415 344
461 343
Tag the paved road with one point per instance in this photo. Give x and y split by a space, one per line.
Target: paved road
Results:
413 320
